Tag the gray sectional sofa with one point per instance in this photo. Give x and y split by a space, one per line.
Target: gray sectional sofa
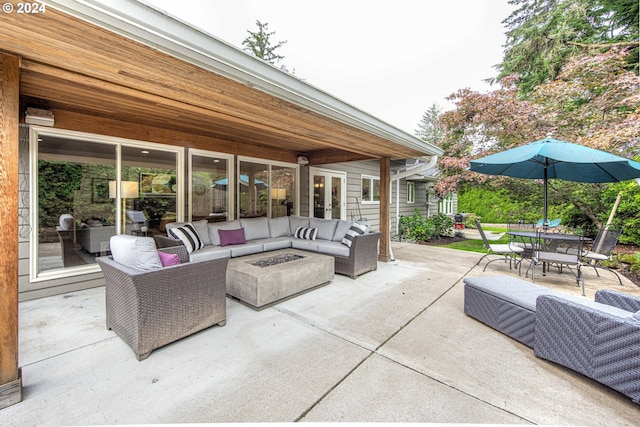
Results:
268 234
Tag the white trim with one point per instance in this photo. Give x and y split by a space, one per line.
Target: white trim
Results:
230 158
34 132
371 178
413 185
328 173
269 163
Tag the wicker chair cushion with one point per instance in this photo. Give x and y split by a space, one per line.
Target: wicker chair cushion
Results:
136 252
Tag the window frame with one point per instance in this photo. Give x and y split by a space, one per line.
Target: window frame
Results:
372 179
35 132
411 192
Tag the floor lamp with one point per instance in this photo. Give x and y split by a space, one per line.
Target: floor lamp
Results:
128 190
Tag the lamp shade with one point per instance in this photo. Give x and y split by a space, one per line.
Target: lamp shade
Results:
278 193
128 189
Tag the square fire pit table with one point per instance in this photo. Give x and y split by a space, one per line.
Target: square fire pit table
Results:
265 279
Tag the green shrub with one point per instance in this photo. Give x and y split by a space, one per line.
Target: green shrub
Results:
420 229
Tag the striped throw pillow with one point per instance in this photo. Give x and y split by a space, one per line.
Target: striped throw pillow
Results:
355 230
188 235
306 233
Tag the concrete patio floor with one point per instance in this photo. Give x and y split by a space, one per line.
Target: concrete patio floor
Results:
392 346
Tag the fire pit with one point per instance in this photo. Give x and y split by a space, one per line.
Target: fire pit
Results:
262 280
275 260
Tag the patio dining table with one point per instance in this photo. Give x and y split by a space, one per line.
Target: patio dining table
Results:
532 239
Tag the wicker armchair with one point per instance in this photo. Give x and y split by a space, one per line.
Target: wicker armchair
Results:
149 309
599 339
363 256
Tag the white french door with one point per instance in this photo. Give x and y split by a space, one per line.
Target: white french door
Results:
328 194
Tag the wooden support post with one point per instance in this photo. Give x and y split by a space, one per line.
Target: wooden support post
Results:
10 378
385 204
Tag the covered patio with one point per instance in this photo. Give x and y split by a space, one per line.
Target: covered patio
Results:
392 346
123 70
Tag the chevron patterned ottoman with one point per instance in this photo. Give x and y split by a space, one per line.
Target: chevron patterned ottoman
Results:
598 340
505 303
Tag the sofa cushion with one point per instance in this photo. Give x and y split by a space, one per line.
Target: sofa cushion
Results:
255 228
326 227
202 228
246 249
168 259
305 245
215 226
511 289
342 227
232 237
333 248
275 243
297 221
355 230
188 235
136 252
210 252
306 233
279 227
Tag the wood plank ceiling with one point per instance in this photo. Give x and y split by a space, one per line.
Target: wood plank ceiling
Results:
97 81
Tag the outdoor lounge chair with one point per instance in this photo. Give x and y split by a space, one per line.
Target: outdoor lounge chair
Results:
151 308
509 251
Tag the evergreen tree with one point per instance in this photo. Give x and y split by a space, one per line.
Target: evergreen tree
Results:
543 35
429 128
259 44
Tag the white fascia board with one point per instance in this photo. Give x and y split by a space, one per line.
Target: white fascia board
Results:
145 24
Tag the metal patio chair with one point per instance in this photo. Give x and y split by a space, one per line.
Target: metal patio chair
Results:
601 250
559 249
509 251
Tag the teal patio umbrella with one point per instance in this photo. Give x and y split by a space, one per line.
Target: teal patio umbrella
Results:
551 158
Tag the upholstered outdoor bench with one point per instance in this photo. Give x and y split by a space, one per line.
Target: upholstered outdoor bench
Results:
505 303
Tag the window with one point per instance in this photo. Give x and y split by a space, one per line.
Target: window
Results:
446 205
411 192
211 186
87 188
370 189
266 188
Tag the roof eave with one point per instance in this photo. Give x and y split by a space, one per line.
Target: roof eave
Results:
147 25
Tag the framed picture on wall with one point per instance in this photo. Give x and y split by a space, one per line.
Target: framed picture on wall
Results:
157 184
100 190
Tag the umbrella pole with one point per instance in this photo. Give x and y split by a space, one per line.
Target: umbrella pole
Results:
545 222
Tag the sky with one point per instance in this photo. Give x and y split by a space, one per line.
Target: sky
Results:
392 59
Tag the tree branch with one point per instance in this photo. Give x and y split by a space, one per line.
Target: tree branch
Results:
599 45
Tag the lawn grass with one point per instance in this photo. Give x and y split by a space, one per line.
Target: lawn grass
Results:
473 245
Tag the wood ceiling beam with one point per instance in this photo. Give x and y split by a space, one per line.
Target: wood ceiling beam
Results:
117 128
